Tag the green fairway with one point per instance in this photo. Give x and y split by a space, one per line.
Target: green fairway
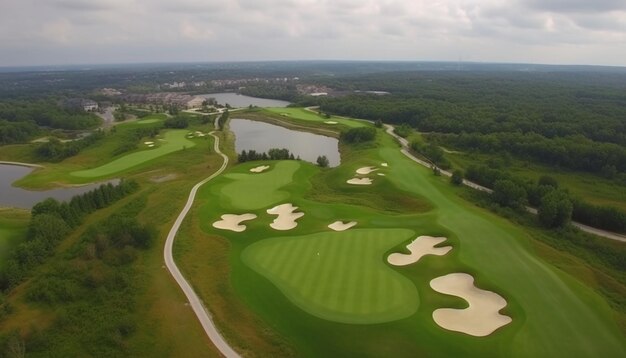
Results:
153 118
333 293
174 140
304 115
254 191
339 276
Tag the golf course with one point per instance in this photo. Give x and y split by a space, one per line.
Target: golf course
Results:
173 140
336 293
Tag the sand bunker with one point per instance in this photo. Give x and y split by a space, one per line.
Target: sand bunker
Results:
260 168
330 122
381 174
232 222
384 164
366 170
360 181
481 318
286 219
341 226
422 246
148 143
151 145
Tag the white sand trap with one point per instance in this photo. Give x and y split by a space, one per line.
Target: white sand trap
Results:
260 168
232 222
286 219
481 318
341 226
330 122
422 246
366 170
381 174
148 143
384 164
360 181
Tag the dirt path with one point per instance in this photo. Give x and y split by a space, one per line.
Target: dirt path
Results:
196 303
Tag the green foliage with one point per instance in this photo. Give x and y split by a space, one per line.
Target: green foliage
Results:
52 221
322 161
46 113
457 177
508 193
272 154
403 130
358 135
223 118
17 132
556 209
432 153
605 217
378 123
54 150
130 138
179 122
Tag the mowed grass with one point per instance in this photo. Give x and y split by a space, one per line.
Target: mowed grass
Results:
274 273
153 118
250 191
174 140
338 276
304 115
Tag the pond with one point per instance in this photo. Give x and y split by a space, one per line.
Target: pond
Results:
11 196
262 137
238 100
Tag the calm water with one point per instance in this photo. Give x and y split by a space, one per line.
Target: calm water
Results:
237 100
11 196
262 136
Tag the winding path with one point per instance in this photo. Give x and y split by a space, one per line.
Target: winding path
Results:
588 229
196 303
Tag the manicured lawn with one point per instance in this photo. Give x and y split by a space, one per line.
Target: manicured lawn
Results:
304 115
338 276
174 140
153 118
347 301
255 191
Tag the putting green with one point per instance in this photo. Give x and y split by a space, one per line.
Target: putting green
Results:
303 114
174 140
255 191
148 121
338 276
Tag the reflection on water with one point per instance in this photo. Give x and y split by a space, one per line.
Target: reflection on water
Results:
262 136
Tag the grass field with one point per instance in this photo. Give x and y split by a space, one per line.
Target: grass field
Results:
13 228
301 114
153 118
309 299
174 140
338 276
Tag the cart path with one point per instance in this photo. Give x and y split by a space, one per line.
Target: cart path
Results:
196 303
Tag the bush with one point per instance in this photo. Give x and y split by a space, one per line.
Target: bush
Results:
556 209
508 193
358 135
322 161
457 177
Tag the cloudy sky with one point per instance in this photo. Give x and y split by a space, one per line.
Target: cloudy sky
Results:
43 32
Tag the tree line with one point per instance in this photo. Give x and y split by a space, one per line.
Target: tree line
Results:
272 154
51 221
55 151
556 205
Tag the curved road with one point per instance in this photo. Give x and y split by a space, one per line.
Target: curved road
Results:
588 229
196 303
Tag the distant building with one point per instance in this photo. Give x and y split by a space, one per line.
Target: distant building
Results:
86 105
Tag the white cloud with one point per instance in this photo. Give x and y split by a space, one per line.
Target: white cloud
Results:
205 30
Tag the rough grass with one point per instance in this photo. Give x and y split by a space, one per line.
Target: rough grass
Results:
13 227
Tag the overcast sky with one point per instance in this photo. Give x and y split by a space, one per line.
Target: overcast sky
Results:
43 32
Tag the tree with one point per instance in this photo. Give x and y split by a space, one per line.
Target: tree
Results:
556 209
548 181
457 177
322 161
508 193
378 123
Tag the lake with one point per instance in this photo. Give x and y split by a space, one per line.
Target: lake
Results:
238 100
262 137
11 196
